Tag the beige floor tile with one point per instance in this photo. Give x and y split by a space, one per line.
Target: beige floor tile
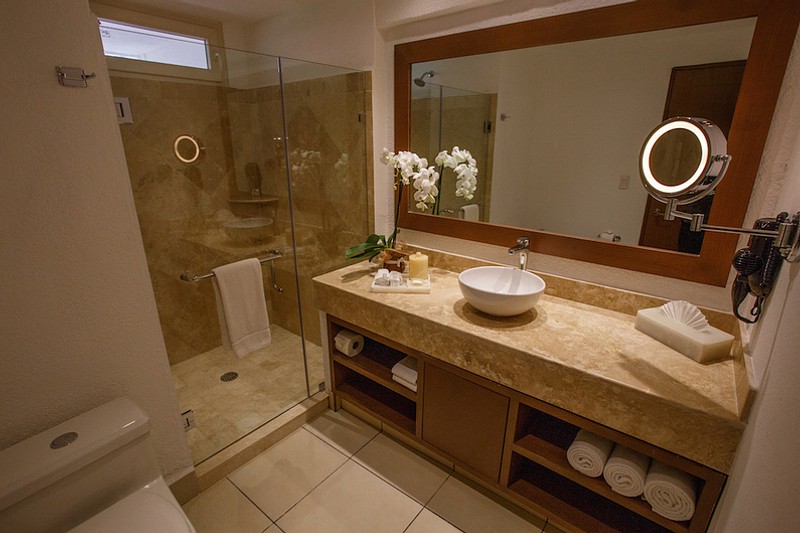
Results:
405 469
427 522
352 500
414 445
280 476
222 508
473 511
342 430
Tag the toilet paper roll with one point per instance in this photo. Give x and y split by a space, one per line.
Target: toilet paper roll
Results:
349 342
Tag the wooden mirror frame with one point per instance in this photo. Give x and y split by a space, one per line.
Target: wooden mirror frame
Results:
775 31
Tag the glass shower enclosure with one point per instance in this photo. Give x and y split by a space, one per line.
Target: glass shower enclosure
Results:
255 156
443 117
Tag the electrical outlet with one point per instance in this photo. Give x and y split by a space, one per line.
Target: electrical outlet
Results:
188 420
624 181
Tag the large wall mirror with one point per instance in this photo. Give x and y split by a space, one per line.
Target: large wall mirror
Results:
555 112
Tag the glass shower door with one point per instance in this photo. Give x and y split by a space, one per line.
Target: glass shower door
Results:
325 114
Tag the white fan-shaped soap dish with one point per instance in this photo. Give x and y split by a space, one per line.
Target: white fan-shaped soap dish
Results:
685 313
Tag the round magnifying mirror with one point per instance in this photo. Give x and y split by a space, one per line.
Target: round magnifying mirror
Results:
683 158
187 149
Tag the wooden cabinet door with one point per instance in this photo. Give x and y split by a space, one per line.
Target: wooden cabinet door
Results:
465 420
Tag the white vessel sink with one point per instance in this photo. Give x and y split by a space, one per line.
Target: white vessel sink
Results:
501 291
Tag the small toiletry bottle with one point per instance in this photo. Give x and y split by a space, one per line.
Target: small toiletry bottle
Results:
418 266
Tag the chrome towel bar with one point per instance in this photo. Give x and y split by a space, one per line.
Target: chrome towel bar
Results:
272 255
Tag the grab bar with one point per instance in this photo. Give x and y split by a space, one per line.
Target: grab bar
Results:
273 254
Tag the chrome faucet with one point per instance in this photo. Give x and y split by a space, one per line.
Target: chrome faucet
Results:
523 247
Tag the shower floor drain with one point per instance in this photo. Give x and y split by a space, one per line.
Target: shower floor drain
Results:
228 376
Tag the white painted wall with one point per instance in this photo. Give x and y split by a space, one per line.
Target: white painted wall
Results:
761 491
335 33
579 113
78 320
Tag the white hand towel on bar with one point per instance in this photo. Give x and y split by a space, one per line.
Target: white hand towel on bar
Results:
471 212
242 310
626 470
588 453
670 492
406 369
404 383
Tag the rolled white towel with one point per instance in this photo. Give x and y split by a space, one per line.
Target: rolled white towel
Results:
588 453
670 492
626 470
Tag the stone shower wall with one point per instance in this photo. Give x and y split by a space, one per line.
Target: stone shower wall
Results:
181 208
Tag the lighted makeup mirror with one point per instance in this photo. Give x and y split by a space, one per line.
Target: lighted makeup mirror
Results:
682 161
187 149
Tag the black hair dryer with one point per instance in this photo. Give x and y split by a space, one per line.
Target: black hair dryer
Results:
757 265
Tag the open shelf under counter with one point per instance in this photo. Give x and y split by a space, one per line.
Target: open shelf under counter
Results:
396 410
575 505
375 362
554 458
543 433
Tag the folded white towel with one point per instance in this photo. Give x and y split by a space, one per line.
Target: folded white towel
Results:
670 492
241 307
471 212
404 383
626 470
588 453
406 369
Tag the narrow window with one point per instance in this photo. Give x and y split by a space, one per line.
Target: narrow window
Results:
127 41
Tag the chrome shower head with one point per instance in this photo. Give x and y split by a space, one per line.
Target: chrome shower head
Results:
420 82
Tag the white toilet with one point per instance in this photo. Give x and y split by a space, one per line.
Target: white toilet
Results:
94 473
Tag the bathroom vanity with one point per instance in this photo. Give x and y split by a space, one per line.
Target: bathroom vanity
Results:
503 398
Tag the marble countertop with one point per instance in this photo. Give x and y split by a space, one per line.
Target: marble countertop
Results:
582 358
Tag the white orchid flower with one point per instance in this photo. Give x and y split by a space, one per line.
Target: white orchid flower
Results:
410 169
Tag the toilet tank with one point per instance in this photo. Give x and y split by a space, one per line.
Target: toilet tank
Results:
55 480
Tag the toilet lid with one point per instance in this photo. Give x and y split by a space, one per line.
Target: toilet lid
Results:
141 512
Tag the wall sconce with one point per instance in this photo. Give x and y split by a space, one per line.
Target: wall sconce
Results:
682 161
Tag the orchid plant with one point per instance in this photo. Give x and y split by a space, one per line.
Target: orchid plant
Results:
411 170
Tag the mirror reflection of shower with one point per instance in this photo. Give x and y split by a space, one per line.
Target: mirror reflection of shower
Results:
445 114
420 82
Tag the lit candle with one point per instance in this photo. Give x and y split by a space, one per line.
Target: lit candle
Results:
418 266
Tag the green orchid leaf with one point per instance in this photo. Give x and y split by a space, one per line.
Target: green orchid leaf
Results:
364 249
376 239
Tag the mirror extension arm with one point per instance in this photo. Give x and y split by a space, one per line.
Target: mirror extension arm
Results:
786 236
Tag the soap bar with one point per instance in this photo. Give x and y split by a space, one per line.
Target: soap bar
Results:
418 266
703 345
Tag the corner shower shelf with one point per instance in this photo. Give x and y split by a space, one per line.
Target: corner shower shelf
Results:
244 198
